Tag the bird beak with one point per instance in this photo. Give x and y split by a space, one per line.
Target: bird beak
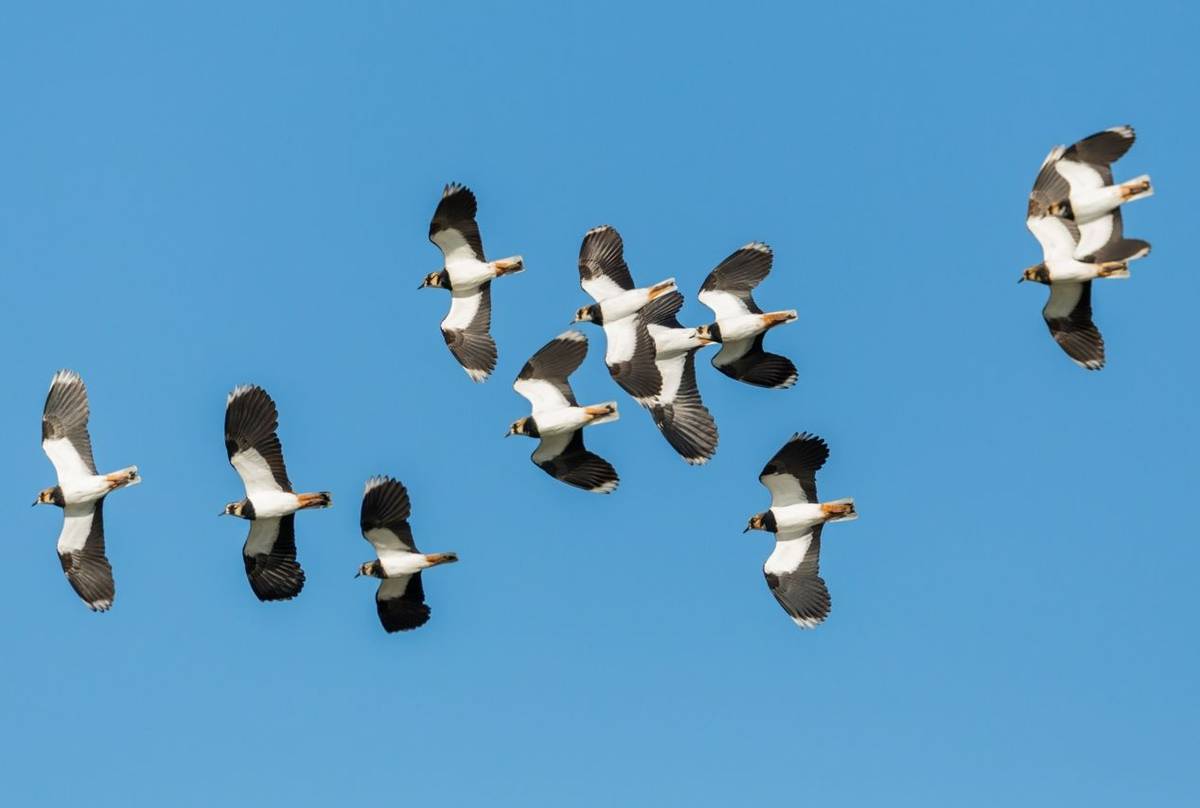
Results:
423 285
747 529
1021 279
358 574
221 513
35 502
507 434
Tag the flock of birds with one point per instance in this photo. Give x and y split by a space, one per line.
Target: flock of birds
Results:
1074 212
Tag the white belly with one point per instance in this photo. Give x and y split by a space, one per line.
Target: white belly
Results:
467 273
624 304
798 517
1090 203
1071 271
84 489
741 327
559 421
273 504
670 342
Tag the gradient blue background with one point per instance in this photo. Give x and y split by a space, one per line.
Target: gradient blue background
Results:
210 195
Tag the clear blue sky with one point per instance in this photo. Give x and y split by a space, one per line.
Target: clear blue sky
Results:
211 195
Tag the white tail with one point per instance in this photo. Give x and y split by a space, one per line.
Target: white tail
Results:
662 287
1137 188
603 413
1118 270
124 477
840 510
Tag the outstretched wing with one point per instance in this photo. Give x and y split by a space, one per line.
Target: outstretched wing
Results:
384 517
543 380
65 436
791 475
746 361
1068 315
81 552
467 330
630 357
270 559
250 440
564 458
680 414
400 602
727 289
792 573
453 228
602 269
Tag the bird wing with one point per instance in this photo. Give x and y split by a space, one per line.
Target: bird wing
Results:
467 330
727 288
65 436
270 559
602 269
564 458
1050 189
792 573
81 552
1058 236
630 357
791 475
1088 163
400 602
746 361
543 380
250 440
1068 315
384 517
453 228
679 412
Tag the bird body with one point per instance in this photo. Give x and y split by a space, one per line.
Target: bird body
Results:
797 518
468 276
80 491
1077 181
400 598
741 325
558 421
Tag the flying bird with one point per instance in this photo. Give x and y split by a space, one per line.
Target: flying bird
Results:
80 491
468 276
604 275
797 517
400 599
741 324
1077 182
678 411
557 418
1069 273
270 505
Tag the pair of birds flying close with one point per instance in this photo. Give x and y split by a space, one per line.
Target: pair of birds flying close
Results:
270 505
269 554
1074 212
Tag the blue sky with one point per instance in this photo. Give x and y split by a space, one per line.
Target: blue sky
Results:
197 197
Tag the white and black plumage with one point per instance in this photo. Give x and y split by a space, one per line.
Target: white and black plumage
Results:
270 504
468 276
558 420
80 491
796 517
604 275
678 411
1077 181
741 324
400 599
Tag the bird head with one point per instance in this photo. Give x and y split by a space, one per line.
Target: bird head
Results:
588 314
761 521
708 333
237 509
1038 273
50 496
371 569
436 280
522 426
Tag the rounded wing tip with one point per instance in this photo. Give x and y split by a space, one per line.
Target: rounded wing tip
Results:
1124 130
376 481
572 335
65 376
605 488
243 389
603 228
758 246
452 188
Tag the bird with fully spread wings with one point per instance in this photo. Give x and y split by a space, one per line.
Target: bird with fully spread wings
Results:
80 491
797 517
270 504
468 276
400 598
